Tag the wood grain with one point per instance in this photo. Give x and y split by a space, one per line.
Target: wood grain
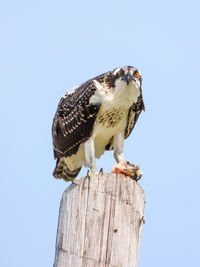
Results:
100 223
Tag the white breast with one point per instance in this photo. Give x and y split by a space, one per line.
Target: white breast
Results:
112 116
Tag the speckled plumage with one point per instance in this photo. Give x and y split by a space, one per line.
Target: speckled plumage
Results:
104 104
74 120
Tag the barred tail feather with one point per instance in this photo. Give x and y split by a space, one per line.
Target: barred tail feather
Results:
63 172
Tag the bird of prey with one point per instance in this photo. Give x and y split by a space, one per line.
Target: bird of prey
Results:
97 116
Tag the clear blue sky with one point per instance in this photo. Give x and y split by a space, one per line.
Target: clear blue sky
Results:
47 47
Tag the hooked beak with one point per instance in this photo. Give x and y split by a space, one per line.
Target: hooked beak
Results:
128 78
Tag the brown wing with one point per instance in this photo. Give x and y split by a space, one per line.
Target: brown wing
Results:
133 115
74 120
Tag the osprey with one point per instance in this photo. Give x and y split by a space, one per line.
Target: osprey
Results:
97 116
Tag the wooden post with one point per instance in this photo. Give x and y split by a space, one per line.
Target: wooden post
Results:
100 223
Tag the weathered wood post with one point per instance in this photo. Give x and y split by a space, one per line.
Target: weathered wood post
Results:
100 223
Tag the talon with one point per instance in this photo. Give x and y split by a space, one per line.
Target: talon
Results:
89 174
101 171
132 165
137 175
74 183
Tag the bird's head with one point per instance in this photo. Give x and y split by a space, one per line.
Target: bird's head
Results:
127 76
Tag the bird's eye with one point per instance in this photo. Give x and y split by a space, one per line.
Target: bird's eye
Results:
137 75
119 73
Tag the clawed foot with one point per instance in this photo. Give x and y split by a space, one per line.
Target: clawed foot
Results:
128 169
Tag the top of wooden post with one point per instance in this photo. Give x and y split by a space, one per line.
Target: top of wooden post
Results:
100 222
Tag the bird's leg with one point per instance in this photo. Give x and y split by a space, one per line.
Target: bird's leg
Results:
119 147
123 166
118 153
90 156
